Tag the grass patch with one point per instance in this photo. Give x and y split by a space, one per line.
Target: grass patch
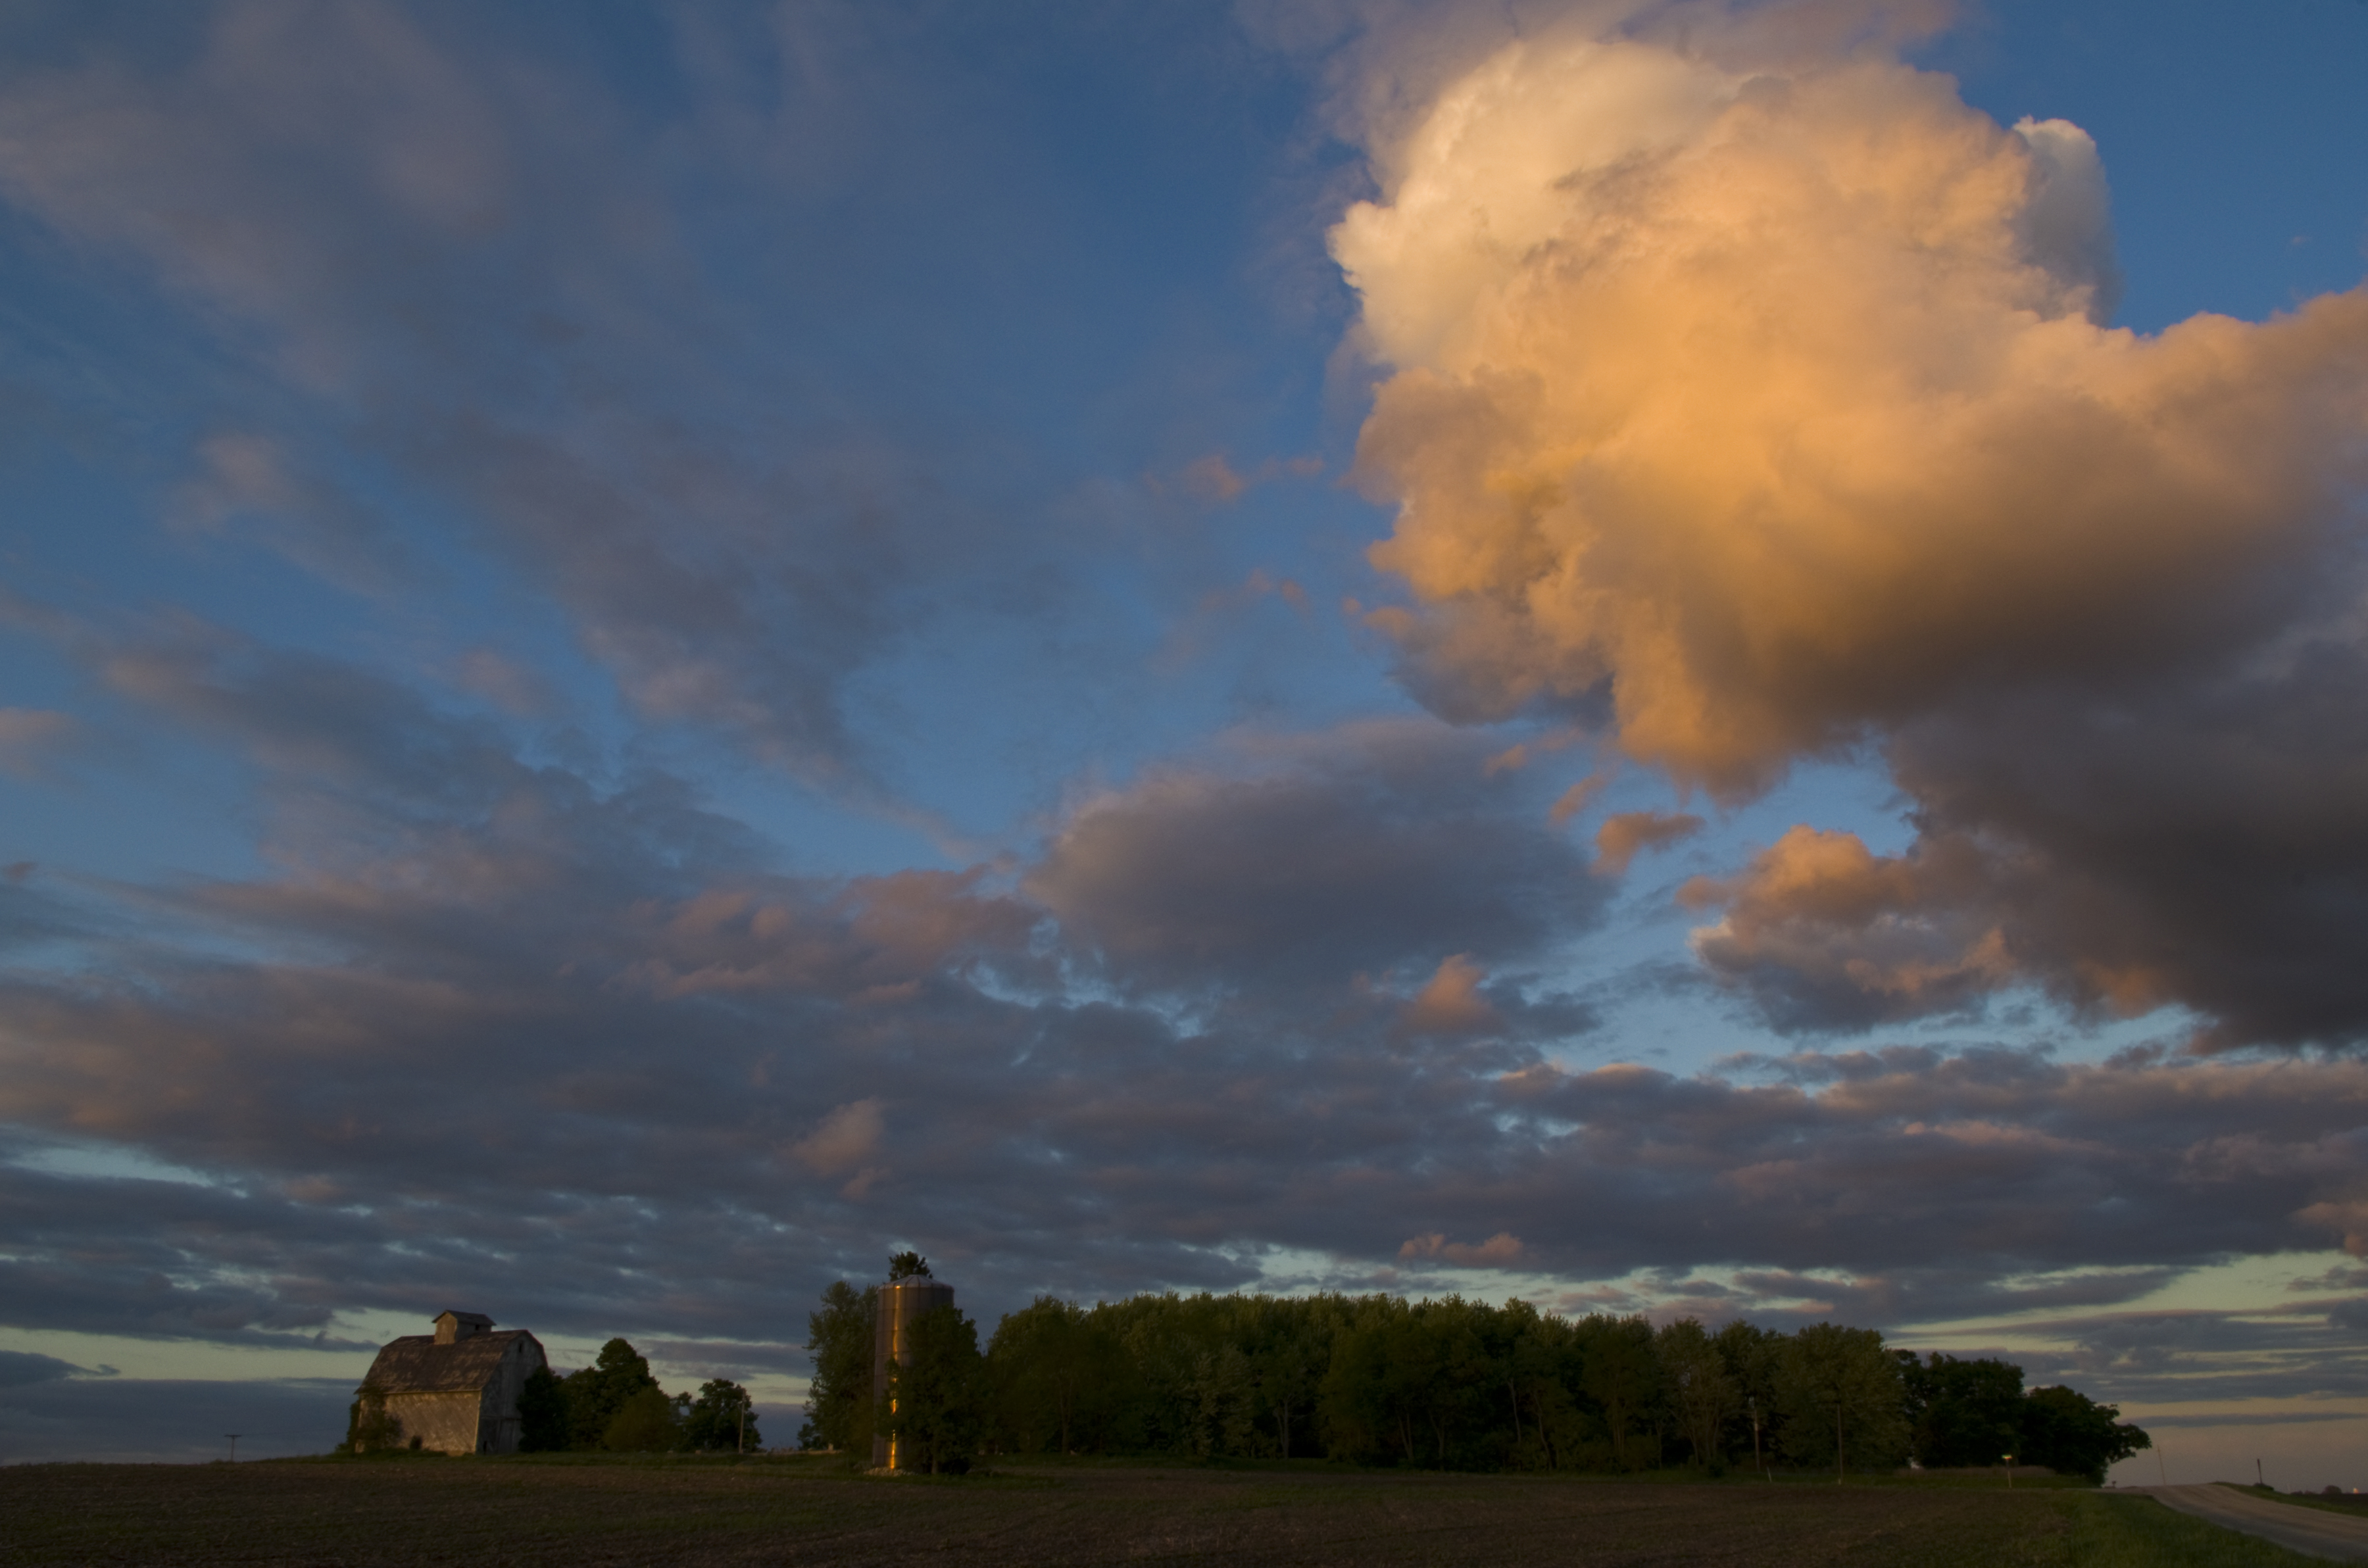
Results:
2138 1532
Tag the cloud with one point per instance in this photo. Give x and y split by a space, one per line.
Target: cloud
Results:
701 1085
31 738
1309 859
1498 1251
1764 397
472 281
2203 846
848 1136
19 1368
1450 1002
1621 835
247 480
1213 481
1824 933
1576 799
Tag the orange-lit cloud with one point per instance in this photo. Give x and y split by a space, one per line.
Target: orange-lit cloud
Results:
1620 837
1450 1002
1498 1251
1213 481
1777 401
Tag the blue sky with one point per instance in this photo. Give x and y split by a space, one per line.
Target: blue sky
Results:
1634 656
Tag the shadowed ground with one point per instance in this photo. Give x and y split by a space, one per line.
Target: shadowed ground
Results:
775 1511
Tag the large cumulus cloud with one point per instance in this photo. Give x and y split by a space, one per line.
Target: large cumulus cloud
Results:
1771 400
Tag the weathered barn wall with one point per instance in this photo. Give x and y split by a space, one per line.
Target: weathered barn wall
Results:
445 1421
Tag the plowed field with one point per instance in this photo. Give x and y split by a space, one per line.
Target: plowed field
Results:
537 1511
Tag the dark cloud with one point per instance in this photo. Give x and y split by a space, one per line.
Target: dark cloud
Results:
19 1368
1314 858
565 1049
2203 846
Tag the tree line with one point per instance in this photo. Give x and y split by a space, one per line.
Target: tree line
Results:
1449 1384
613 1405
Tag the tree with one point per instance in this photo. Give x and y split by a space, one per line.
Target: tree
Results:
721 1419
2074 1434
934 1400
1750 1356
598 1392
542 1413
908 1265
650 1422
1287 1367
370 1427
838 1396
1700 1390
1840 1396
1224 1396
1961 1412
1622 1377
1053 1368
1376 1396
1545 1364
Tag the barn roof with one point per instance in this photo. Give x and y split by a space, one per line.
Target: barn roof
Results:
417 1364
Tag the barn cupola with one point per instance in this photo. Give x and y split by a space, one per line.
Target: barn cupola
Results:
453 1327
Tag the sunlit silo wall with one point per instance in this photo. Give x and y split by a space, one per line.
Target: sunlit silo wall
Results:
901 1302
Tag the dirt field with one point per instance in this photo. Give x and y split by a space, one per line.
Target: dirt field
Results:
787 1511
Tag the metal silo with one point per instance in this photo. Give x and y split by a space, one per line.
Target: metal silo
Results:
901 1302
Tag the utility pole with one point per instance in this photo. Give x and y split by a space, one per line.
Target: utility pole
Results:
2257 1476
740 1446
1755 1462
234 1437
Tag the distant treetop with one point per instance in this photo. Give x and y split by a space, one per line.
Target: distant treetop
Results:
908 1265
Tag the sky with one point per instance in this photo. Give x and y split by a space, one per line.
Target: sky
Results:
1708 660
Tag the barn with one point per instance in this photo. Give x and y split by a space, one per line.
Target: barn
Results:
455 1391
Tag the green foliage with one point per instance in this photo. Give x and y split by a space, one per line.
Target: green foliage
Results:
597 1395
1703 1395
1961 1412
649 1422
2071 1433
713 1422
1750 1356
370 1427
935 1402
1446 1385
542 1413
907 1265
1625 1380
1054 1370
838 1399
1840 1396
